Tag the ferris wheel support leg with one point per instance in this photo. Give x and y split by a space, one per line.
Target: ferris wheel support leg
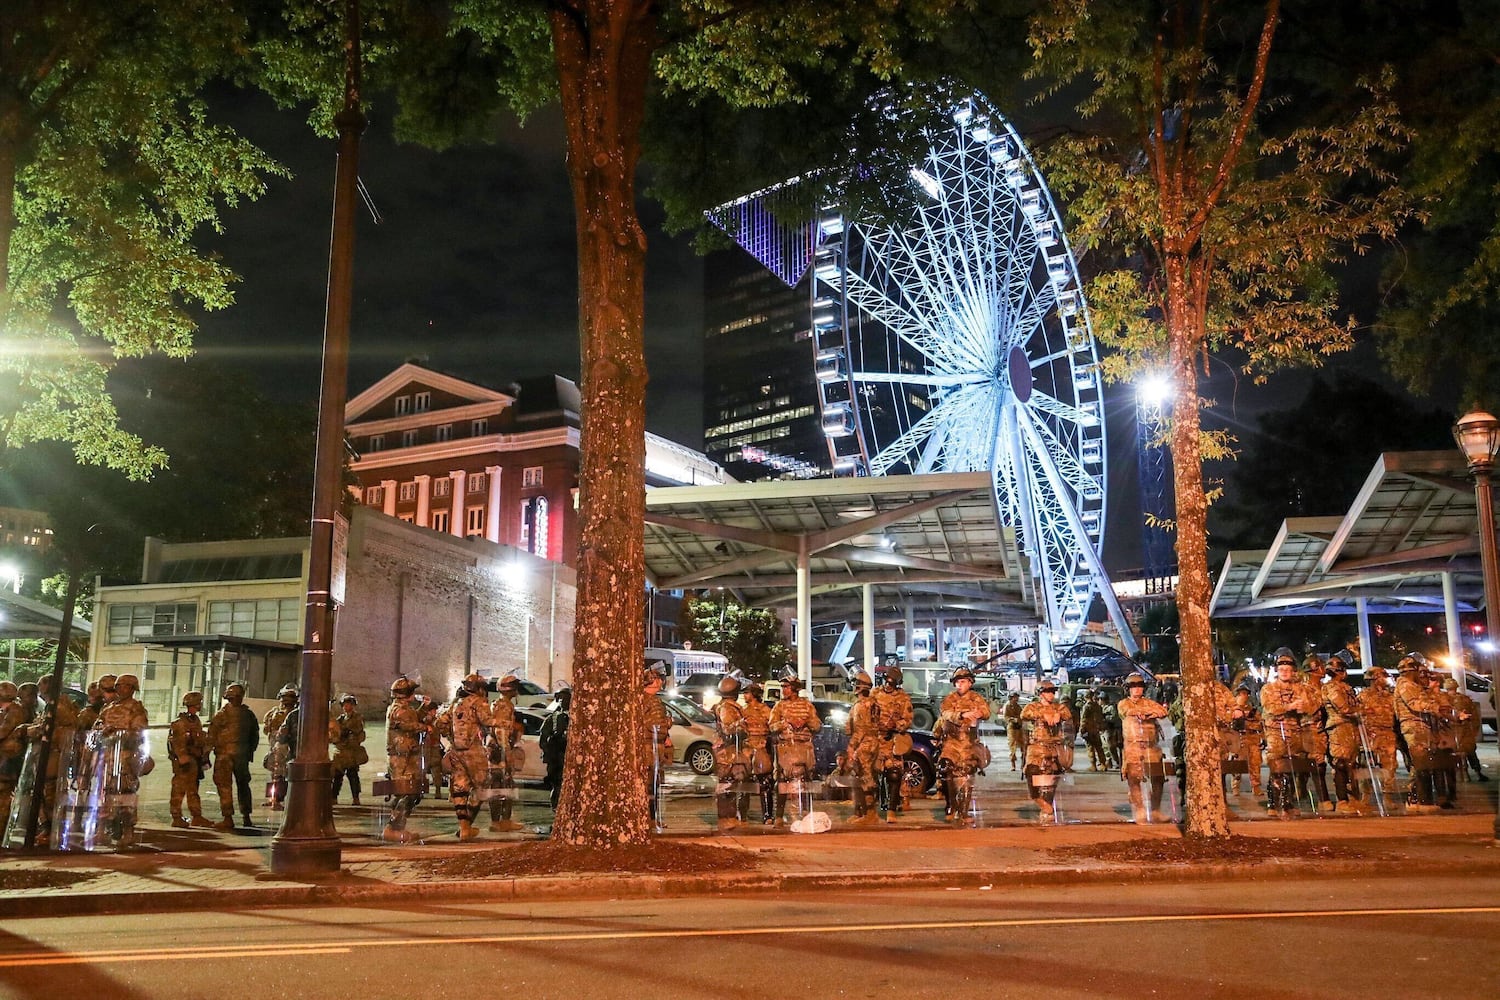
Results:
1081 537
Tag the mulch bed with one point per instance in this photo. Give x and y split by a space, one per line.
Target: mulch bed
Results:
1224 849
547 857
15 879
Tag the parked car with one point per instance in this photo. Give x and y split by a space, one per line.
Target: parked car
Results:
919 765
692 737
701 688
529 694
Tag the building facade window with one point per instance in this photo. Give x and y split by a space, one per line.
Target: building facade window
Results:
422 402
441 486
444 432
374 496
408 438
479 428
479 482
276 619
534 525
377 442
408 491
442 521
531 476
403 405
130 623
408 517
474 522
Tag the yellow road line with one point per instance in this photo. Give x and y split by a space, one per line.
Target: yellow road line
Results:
343 947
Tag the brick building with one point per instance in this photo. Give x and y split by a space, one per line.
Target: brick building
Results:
466 460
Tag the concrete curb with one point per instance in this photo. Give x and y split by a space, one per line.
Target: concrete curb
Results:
350 891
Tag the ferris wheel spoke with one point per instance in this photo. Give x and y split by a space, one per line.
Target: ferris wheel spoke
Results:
906 445
921 378
1063 411
1083 482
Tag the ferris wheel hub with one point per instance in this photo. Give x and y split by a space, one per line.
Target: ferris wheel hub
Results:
1021 379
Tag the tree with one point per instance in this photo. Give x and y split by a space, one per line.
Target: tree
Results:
750 637
1225 219
109 168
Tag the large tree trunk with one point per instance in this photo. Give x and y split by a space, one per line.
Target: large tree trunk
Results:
1206 812
603 54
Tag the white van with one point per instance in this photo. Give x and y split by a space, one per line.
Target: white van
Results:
688 661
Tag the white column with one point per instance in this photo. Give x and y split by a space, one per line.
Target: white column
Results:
940 640
1455 633
804 614
869 627
492 515
910 616
424 498
1366 648
456 519
388 497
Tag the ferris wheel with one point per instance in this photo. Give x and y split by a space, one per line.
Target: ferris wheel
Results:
958 340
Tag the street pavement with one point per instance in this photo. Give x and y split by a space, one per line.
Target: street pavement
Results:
206 869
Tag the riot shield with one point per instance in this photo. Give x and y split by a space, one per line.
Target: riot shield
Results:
14 832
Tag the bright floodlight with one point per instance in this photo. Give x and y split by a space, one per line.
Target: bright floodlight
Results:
1154 390
514 572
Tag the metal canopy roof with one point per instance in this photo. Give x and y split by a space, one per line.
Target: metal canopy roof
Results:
23 618
1413 521
934 541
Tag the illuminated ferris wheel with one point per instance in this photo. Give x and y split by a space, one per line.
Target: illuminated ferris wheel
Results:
959 340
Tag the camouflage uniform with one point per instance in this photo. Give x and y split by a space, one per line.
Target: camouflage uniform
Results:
61 754
404 730
1015 733
506 756
758 751
730 758
863 754
793 720
121 730
187 749
1314 739
963 753
1341 712
1142 758
348 738
1377 708
1416 712
1049 722
895 719
655 740
1283 703
1245 718
467 723
12 745
1468 731
1230 745
277 757
1445 733
1091 724
233 735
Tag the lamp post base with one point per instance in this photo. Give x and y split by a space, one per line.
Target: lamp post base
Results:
307 843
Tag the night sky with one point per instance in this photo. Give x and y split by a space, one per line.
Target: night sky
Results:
473 270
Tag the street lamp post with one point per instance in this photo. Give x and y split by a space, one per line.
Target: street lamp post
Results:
1478 437
308 843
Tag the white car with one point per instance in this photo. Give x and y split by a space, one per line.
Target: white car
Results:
692 738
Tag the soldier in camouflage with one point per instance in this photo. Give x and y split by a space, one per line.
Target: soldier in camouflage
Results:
1015 733
1245 718
730 758
467 724
1048 719
233 734
404 730
963 754
895 725
506 755
863 755
276 757
1314 739
12 745
656 744
1445 733
1341 715
1142 761
62 746
1417 713
1377 709
187 749
348 738
1468 732
122 731
758 751
1091 725
1283 703
793 722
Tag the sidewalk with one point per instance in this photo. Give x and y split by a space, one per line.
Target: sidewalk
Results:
917 857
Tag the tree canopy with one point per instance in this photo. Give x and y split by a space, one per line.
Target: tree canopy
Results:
750 637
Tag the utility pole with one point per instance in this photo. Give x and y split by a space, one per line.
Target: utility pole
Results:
307 842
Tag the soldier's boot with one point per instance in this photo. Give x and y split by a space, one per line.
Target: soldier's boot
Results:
246 819
466 830
393 834
198 820
724 804
178 823
1320 786
226 824
1138 812
1158 787
768 811
500 819
861 804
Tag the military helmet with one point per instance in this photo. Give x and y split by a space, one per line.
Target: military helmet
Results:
287 690
509 683
729 685
348 699
863 680
893 676
1135 681
1313 662
653 674
193 699
128 680
234 686
791 682
1376 672
1343 656
1284 654
1243 689
1046 686
474 683
1337 666
1411 662
754 688
1450 684
403 686
8 691
962 673
107 683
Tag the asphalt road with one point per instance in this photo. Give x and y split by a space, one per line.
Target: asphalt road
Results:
1430 937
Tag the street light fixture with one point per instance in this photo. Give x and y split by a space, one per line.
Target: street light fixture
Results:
1478 437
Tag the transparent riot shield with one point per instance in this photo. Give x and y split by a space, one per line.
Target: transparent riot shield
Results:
66 810
14 832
